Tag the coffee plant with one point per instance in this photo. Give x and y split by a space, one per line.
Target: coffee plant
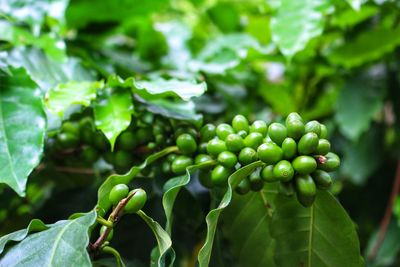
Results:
199 133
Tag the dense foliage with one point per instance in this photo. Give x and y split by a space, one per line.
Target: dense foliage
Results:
199 132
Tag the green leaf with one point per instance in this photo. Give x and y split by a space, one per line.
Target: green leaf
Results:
351 17
296 22
163 239
60 98
34 226
113 111
321 236
368 46
172 188
355 4
22 128
213 216
46 72
114 179
356 105
63 244
246 225
279 97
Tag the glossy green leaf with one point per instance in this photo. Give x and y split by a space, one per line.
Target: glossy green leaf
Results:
22 128
355 4
34 226
368 46
351 17
356 105
105 188
213 215
321 236
61 97
246 223
46 72
113 111
172 188
63 244
296 22
163 239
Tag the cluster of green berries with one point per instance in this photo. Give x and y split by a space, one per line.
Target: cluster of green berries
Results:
87 144
138 198
295 154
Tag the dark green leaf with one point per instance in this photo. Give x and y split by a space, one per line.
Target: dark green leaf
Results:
321 236
63 244
22 128
213 215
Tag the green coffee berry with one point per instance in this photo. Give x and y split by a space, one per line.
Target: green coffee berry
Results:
143 135
240 123
242 134
117 193
137 201
89 154
283 171
308 144
267 174
330 163
200 158
186 144
259 126
202 148
220 175
100 141
322 179
323 147
289 148
243 187
324 131
313 127
269 153
127 140
216 146
223 130
227 159
247 155
123 159
180 164
277 132
294 125
205 178
253 140
256 183
71 128
304 164
234 142
67 140
306 190
286 188
207 132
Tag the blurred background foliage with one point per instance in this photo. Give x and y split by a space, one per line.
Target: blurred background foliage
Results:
335 61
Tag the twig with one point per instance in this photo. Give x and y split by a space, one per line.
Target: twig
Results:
388 215
113 218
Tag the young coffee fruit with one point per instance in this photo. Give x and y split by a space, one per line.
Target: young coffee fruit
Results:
267 174
227 159
259 126
223 130
207 132
322 179
324 131
110 234
247 155
304 164
234 142
186 144
123 159
205 178
243 187
269 153
253 140
117 193
308 144
294 125
137 201
283 171
127 140
323 147
306 189
240 123
180 164
289 148
216 146
313 127
331 163
256 183
67 140
277 132
200 158
220 175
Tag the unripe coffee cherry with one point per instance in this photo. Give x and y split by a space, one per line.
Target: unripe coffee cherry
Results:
127 140
313 127
267 174
269 153
243 187
324 131
277 132
216 146
308 144
253 140
323 147
234 142
117 193
227 159
294 125
223 130
200 158
207 132
304 164
289 148
283 171
137 201
306 189
240 123
256 183
322 179
259 126
186 144
247 155
220 175
180 164
331 163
